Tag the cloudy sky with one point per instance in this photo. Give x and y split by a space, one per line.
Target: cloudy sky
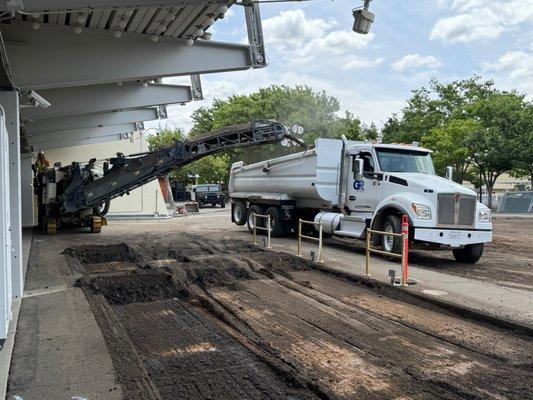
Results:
411 41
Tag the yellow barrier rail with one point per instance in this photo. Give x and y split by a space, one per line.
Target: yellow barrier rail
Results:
403 256
268 229
319 239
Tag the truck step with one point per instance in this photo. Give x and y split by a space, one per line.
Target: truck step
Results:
352 226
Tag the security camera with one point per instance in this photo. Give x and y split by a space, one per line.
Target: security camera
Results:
36 100
362 19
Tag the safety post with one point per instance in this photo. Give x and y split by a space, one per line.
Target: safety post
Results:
405 250
268 229
404 279
300 236
367 258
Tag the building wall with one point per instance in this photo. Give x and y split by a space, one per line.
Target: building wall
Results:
144 201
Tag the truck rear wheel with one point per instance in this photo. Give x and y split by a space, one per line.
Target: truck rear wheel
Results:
392 244
239 213
255 209
470 254
276 221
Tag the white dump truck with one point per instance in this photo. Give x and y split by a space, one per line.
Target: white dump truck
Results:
349 186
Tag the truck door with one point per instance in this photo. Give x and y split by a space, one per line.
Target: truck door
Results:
363 195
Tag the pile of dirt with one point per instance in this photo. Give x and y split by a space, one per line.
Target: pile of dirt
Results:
91 254
133 287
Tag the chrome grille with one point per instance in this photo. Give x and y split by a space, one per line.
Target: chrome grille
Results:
456 210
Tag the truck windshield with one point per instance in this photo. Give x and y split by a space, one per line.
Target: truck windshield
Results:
395 160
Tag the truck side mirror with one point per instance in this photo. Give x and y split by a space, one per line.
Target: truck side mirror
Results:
358 168
449 173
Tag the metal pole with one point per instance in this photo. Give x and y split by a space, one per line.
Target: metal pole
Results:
367 261
320 243
269 247
405 239
255 224
299 254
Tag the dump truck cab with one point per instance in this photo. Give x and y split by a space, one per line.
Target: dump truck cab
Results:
402 178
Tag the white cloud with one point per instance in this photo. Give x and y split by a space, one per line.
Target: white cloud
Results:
360 63
513 70
480 19
415 61
299 39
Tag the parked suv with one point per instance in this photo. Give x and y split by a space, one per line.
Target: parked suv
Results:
209 194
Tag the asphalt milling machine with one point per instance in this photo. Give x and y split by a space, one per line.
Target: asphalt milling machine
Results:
76 196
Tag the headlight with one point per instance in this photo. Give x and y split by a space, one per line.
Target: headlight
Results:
484 215
422 211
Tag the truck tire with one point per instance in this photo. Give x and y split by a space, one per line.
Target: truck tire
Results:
239 213
255 209
276 221
389 243
222 204
469 254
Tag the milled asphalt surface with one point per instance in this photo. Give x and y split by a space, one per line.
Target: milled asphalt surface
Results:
59 347
503 302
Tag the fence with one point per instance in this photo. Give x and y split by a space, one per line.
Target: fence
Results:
319 239
403 256
268 229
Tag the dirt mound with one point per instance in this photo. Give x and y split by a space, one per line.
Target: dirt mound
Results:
133 287
92 254
180 280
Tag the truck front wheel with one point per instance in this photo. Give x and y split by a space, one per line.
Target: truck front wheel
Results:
470 254
239 213
392 244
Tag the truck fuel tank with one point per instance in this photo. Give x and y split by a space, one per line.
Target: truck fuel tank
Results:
330 221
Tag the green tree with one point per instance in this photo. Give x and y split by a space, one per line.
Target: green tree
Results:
428 108
494 147
449 141
164 137
316 112
523 158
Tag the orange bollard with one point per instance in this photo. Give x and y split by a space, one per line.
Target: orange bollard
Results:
405 252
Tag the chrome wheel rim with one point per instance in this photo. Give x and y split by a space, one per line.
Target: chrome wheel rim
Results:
251 220
388 241
237 213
